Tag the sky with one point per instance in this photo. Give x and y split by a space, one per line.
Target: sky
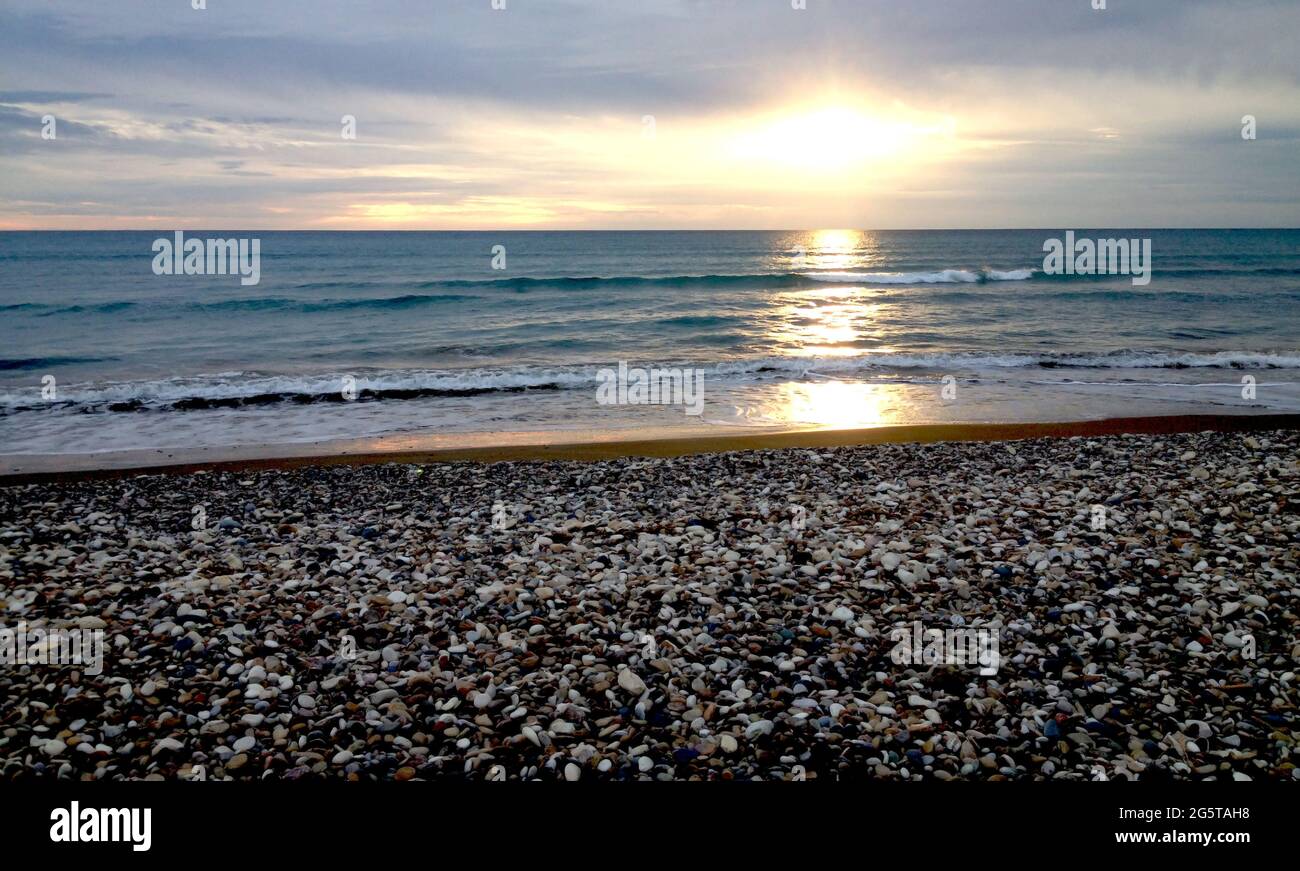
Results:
648 114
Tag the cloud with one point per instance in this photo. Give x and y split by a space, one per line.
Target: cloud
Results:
48 97
223 114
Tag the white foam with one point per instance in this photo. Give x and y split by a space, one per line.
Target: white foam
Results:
240 385
943 276
947 276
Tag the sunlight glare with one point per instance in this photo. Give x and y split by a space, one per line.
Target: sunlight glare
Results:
831 139
835 404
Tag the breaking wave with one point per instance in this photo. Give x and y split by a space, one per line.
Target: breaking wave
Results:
251 389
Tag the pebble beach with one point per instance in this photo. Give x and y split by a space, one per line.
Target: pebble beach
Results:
720 616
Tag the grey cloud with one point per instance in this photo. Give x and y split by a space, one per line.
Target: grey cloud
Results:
283 73
51 96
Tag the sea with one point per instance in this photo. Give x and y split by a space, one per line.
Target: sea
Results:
376 335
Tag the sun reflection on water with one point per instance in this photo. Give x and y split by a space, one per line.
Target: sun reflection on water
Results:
835 404
827 322
832 250
833 323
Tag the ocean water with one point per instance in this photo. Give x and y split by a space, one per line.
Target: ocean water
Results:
807 328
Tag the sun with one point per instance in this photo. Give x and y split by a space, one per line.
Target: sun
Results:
832 139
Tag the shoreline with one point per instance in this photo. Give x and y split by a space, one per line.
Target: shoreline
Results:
21 470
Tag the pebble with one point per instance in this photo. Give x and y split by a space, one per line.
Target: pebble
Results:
1126 647
631 682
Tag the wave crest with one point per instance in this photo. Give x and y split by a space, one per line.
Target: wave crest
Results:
241 389
944 276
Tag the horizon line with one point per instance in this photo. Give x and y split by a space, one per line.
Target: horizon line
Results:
628 230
